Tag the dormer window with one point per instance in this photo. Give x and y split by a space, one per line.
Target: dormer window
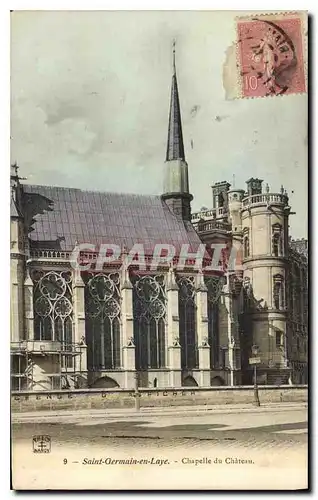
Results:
254 186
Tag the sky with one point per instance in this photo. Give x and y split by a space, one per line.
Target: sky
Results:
90 101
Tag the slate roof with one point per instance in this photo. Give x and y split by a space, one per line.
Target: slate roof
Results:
14 212
71 216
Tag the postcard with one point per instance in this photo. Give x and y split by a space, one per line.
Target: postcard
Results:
159 250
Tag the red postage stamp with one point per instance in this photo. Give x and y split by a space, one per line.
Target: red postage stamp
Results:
271 55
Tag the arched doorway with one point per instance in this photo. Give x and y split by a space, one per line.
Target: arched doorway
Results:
189 381
104 383
217 381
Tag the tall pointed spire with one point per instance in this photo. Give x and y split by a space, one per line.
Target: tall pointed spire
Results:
176 179
175 148
174 57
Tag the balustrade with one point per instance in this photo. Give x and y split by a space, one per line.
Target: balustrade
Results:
203 214
265 198
207 226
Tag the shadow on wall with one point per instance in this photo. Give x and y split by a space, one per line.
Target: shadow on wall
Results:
217 381
189 382
104 383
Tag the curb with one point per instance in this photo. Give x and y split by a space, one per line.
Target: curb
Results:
147 412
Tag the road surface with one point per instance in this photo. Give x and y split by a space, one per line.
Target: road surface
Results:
222 449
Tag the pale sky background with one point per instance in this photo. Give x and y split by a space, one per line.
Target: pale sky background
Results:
90 98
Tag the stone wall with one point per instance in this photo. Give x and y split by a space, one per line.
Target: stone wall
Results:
119 398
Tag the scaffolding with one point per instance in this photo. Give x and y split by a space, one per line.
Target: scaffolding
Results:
23 359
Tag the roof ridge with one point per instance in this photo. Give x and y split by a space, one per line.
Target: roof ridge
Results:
93 191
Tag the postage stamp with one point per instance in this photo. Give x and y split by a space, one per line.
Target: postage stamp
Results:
271 55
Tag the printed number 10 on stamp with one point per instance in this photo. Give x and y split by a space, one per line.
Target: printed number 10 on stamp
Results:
271 55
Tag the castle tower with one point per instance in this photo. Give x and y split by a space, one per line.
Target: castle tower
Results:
176 180
265 245
234 199
220 199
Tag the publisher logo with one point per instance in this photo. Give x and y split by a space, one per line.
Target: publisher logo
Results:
41 444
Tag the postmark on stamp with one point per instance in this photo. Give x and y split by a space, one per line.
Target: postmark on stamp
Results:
270 55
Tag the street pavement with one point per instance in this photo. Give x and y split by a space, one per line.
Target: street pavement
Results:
78 414
268 442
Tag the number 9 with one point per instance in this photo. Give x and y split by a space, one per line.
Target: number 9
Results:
65 461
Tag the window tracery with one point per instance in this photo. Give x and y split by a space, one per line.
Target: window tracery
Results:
214 285
53 309
102 313
187 322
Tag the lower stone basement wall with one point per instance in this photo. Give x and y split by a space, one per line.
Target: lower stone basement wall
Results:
112 398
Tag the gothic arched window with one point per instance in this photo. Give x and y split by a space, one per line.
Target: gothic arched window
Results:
149 305
102 313
53 309
187 322
214 285
278 291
